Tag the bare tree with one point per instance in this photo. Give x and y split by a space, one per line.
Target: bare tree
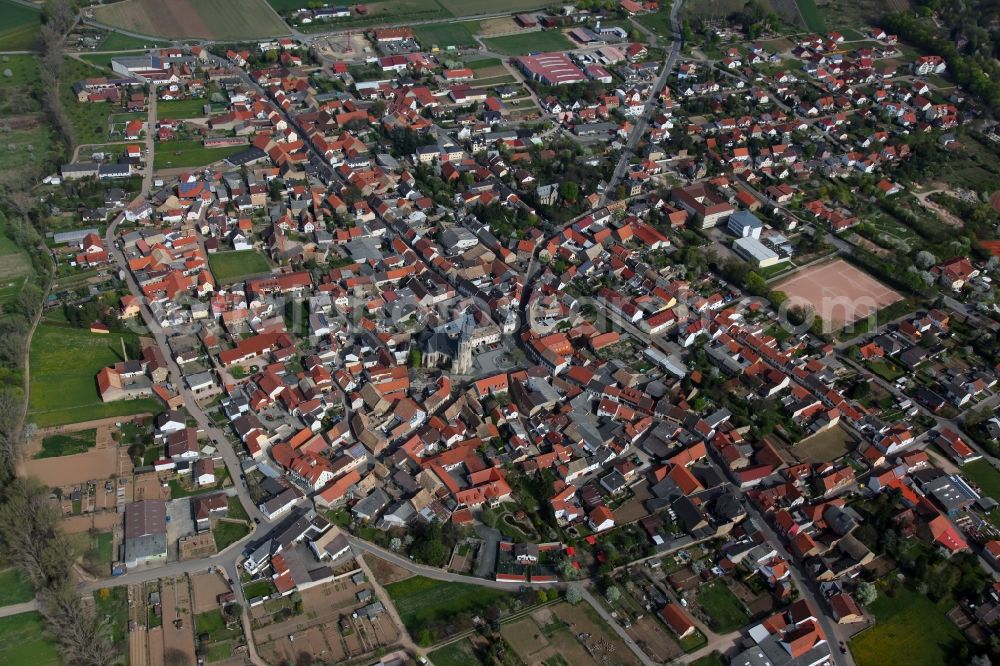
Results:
82 636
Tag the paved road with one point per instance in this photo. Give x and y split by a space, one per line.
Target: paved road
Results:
360 546
639 129
15 609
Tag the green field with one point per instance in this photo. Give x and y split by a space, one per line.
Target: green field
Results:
90 121
15 588
231 266
421 601
25 139
182 108
909 628
116 41
66 444
174 154
23 641
984 475
658 22
64 364
723 608
227 533
15 269
19 26
459 653
529 42
444 35
812 16
485 63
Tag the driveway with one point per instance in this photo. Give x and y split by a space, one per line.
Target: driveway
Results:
486 563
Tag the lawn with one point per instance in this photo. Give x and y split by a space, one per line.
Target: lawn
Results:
444 35
459 653
693 642
724 610
182 108
529 42
421 601
909 628
227 533
116 41
259 588
236 509
15 588
19 26
23 641
984 475
64 365
68 443
232 266
175 154
887 370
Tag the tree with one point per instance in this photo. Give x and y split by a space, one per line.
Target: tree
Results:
866 594
573 595
613 594
569 191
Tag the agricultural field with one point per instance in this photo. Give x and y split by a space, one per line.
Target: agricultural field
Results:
67 443
422 601
444 35
529 42
909 627
180 19
186 154
474 7
15 588
23 641
231 266
19 26
64 364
